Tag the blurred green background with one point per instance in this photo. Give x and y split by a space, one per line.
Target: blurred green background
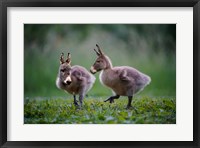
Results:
150 48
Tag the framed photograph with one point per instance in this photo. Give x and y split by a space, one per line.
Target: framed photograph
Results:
114 73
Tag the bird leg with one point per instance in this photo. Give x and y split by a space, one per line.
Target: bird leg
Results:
111 99
81 99
75 101
129 102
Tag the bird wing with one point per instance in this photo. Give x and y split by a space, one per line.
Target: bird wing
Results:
123 75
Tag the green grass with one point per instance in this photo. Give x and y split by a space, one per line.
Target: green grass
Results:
60 110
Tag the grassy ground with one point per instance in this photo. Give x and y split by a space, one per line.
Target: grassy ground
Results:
59 110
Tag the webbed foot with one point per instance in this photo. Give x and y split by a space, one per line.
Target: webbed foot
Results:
76 103
111 100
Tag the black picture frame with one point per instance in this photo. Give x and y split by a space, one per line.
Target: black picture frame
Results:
4 4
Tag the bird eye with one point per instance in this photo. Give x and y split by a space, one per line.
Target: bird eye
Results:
98 61
62 70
